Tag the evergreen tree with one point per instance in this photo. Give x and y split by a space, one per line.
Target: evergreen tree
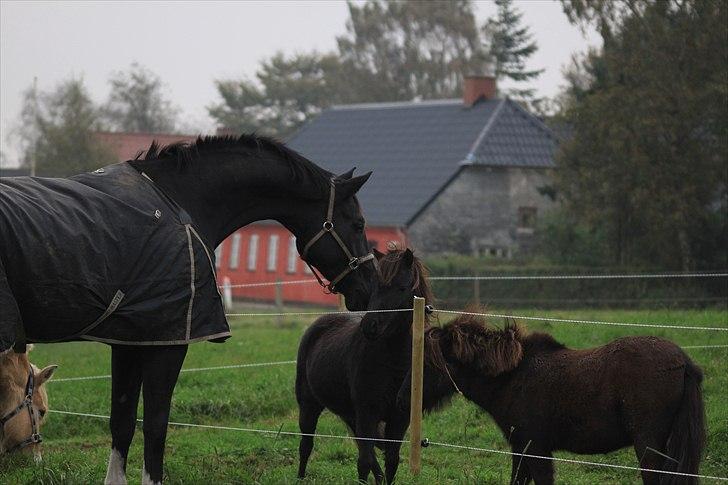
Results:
56 130
137 102
511 45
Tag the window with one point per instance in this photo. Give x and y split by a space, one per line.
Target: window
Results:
253 252
218 256
272 252
292 255
526 219
235 251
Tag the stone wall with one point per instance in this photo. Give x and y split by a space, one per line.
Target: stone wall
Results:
485 210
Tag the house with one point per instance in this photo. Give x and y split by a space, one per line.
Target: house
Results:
455 176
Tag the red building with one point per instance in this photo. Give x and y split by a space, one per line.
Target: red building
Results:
264 252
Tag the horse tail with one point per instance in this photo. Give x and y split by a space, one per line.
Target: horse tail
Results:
687 435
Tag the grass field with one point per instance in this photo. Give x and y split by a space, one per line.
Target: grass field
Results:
76 448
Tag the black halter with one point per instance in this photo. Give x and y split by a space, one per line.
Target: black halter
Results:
26 404
328 228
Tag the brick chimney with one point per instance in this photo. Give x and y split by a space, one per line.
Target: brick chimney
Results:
477 87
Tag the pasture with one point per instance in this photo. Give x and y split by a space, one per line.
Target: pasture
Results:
76 448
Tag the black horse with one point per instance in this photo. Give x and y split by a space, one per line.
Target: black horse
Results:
203 192
639 391
354 366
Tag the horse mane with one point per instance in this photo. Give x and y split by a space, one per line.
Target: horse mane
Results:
542 341
471 341
187 153
389 267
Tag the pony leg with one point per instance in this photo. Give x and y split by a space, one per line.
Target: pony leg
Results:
126 381
161 370
649 457
520 474
394 430
542 470
309 413
367 458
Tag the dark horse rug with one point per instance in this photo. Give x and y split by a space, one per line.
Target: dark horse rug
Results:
103 256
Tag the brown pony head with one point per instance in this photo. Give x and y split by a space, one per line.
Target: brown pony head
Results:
14 370
402 276
488 350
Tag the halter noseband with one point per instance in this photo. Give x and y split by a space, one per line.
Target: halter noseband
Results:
27 403
328 228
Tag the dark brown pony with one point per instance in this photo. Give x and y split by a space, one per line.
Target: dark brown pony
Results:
354 366
639 391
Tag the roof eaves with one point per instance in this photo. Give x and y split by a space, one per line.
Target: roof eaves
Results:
436 194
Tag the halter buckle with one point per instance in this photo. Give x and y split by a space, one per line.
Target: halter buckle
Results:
36 438
354 263
328 226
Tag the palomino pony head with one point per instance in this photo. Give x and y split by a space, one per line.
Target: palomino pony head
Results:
19 426
402 276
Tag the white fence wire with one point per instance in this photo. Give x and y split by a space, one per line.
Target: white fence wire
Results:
281 432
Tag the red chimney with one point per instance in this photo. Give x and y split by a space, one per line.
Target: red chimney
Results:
476 87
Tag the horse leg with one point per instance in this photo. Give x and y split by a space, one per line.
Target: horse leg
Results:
649 455
394 430
126 381
309 412
542 470
520 474
161 370
367 428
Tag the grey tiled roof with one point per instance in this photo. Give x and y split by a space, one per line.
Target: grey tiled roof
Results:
414 148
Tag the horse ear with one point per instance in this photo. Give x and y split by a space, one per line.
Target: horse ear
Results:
347 175
377 254
347 188
46 374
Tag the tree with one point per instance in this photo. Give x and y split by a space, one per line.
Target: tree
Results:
391 51
510 46
289 91
137 103
56 131
647 158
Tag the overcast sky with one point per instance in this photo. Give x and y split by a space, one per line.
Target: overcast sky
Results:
190 44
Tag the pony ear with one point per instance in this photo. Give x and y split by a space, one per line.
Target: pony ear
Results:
377 254
408 257
46 374
346 175
347 188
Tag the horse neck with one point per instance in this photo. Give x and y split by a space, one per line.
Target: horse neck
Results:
227 191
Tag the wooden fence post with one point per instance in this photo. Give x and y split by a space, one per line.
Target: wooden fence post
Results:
418 353
279 302
476 290
342 303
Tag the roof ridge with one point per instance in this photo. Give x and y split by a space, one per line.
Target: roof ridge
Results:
396 104
481 136
533 119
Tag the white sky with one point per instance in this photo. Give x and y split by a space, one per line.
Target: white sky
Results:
190 44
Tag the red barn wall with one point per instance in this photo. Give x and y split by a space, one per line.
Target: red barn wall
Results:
255 268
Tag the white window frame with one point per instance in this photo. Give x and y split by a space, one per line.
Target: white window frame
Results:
235 251
253 252
292 255
272 261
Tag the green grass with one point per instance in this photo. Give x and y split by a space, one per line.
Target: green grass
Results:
76 448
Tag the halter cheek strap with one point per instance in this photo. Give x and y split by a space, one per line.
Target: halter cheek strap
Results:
27 403
328 228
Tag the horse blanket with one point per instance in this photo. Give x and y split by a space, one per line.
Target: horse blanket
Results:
103 256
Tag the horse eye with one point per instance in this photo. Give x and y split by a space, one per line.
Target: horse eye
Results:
403 288
42 413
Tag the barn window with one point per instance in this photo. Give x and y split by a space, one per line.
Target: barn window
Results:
292 255
218 256
272 252
527 218
235 251
253 252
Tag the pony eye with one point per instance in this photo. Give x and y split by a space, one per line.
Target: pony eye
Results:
402 289
42 412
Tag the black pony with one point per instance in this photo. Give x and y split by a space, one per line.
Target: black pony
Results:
108 254
354 366
639 391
